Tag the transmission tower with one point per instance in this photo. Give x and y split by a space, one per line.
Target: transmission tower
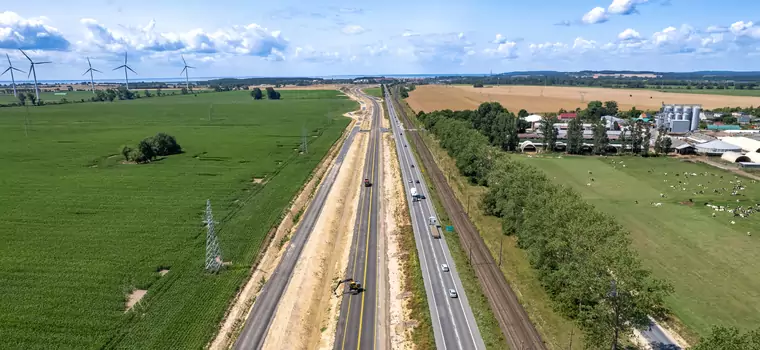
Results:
213 253
583 96
304 141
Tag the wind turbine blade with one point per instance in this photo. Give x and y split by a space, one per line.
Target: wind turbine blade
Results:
133 71
95 70
191 67
125 58
42 62
6 71
27 56
31 68
88 62
16 69
85 72
9 59
183 60
183 71
119 67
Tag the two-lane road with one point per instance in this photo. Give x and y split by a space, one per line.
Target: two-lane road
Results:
453 321
357 323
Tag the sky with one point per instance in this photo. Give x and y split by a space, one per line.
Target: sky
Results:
323 38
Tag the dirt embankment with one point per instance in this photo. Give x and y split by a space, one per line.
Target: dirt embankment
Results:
538 99
238 311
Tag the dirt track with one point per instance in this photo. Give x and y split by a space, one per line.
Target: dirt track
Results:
512 318
434 97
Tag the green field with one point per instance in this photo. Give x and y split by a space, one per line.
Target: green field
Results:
377 92
711 262
726 92
80 229
51 96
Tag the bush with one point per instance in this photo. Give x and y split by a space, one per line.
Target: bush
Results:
126 151
151 147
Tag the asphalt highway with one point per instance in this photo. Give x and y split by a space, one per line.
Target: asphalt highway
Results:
453 321
357 322
258 321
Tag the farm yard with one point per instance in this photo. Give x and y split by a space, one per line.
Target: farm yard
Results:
429 98
81 229
693 225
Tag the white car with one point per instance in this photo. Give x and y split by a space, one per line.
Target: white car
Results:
444 268
452 293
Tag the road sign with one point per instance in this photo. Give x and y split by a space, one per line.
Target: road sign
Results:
450 228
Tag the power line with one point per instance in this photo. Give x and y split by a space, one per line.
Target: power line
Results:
213 253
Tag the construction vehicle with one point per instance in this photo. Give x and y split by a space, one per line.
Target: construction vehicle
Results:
435 227
367 183
353 286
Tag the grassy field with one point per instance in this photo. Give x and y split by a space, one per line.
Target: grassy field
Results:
72 96
80 230
377 92
711 262
725 92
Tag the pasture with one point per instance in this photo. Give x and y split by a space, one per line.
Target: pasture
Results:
710 256
81 229
377 92
537 99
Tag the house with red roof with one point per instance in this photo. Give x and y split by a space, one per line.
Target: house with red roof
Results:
567 116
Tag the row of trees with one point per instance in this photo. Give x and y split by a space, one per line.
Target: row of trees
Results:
272 94
582 256
151 147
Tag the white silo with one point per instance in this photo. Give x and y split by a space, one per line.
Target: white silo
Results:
679 116
667 109
696 111
679 109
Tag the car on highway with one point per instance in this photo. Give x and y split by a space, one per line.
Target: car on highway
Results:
444 268
412 165
452 293
417 181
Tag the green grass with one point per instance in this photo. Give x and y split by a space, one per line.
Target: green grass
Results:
377 92
51 96
711 263
726 92
80 230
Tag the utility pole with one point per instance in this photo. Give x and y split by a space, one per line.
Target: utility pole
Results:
213 253
210 111
614 294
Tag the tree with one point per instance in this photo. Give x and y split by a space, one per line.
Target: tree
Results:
146 150
615 126
184 90
146 93
522 113
513 139
611 107
477 85
164 144
125 94
601 140
126 151
666 144
158 92
31 97
256 94
727 119
272 94
647 141
729 338
22 99
595 109
100 95
549 133
636 138
110 95
575 136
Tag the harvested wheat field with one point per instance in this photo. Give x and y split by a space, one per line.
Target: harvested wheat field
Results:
434 97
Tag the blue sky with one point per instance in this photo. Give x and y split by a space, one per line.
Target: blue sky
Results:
321 38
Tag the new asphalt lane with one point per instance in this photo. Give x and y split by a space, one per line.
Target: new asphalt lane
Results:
357 322
453 321
258 321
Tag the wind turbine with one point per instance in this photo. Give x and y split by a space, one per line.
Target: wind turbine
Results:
92 80
33 71
126 67
11 69
185 70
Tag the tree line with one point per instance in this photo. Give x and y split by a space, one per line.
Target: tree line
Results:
151 147
582 257
272 94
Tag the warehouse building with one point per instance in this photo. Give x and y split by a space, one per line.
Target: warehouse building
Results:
716 148
745 143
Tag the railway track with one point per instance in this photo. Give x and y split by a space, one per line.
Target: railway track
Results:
512 318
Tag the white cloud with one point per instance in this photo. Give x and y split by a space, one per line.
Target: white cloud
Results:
17 32
408 33
629 35
444 47
716 29
248 40
505 50
500 39
582 44
376 49
311 55
624 7
596 15
547 49
353 29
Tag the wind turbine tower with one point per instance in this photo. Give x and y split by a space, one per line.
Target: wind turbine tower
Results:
185 69
33 71
126 69
92 80
11 69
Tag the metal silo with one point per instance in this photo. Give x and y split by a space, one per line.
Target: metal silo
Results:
679 115
696 111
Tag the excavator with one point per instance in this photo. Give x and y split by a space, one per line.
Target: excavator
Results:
353 286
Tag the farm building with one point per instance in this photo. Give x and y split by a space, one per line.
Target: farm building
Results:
567 116
723 127
716 148
610 120
735 157
746 144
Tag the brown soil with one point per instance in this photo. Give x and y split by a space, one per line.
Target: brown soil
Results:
134 298
258 180
687 203
435 97
307 314
163 272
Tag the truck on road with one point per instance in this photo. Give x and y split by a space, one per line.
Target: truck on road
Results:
435 227
416 196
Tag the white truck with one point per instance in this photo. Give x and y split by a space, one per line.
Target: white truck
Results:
416 196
